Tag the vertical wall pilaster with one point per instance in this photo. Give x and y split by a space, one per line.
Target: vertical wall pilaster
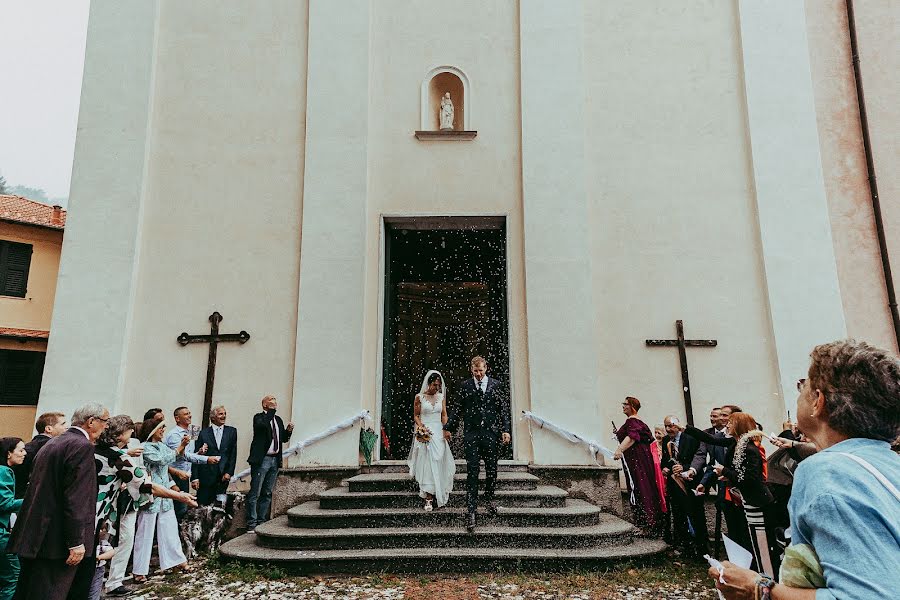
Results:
798 253
98 267
561 346
328 384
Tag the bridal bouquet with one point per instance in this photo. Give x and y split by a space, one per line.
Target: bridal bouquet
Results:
423 434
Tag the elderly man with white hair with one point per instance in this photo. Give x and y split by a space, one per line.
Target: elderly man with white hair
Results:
54 533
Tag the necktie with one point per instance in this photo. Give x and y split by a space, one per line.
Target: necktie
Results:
218 432
275 435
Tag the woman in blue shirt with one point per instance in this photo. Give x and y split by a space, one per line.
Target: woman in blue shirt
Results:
845 507
158 517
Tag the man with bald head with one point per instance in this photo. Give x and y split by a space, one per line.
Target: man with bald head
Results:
269 436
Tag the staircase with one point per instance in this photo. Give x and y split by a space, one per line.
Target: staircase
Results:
375 522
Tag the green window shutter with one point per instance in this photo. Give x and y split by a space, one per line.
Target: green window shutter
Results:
20 377
15 262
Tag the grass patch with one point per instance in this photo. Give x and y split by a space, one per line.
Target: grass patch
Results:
232 571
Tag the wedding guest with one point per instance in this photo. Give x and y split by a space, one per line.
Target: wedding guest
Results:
681 467
634 447
155 415
48 425
746 494
781 466
845 505
659 432
181 468
105 553
269 435
430 461
13 449
714 455
157 518
123 471
54 531
220 441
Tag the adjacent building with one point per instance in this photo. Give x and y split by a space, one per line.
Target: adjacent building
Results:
31 235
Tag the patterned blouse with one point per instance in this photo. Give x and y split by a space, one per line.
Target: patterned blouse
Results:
114 474
158 458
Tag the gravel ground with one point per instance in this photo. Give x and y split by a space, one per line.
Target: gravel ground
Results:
212 582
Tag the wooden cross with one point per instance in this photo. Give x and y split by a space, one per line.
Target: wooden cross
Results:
682 344
213 340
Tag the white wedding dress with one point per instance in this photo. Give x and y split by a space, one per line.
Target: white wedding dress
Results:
432 464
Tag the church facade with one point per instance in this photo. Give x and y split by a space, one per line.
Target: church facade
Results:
610 169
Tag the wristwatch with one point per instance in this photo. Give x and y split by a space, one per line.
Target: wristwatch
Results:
764 585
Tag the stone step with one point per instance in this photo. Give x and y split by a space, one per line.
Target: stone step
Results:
383 482
425 560
611 530
401 466
342 497
572 513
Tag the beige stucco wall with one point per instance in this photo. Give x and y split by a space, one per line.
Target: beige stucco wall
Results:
34 311
843 160
673 212
220 226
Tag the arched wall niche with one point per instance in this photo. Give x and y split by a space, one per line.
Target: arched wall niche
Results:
438 81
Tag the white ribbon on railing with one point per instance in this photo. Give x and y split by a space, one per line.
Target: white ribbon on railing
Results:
298 447
593 447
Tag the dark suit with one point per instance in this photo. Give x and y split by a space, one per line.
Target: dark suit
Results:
685 505
712 455
57 514
23 471
210 476
485 416
263 465
262 436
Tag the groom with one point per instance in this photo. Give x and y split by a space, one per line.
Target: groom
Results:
485 413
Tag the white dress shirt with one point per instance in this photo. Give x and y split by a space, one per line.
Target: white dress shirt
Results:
217 433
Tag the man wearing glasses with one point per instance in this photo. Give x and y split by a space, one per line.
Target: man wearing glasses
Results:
54 533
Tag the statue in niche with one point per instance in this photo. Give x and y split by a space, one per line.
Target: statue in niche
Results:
446 113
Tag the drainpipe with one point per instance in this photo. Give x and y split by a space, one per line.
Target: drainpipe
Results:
870 168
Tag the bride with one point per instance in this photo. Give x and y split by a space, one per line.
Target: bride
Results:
430 460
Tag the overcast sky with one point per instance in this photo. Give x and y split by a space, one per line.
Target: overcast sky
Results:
41 62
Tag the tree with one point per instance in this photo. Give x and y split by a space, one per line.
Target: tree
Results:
4 188
28 192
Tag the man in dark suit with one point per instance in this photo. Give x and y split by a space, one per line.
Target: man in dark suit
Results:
269 435
681 467
54 535
211 480
48 425
711 455
483 406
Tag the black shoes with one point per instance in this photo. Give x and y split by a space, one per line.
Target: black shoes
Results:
492 508
470 523
119 592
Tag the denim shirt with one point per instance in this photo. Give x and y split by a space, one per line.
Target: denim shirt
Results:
183 461
850 519
157 459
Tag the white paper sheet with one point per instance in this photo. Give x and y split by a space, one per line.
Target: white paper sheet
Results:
737 554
